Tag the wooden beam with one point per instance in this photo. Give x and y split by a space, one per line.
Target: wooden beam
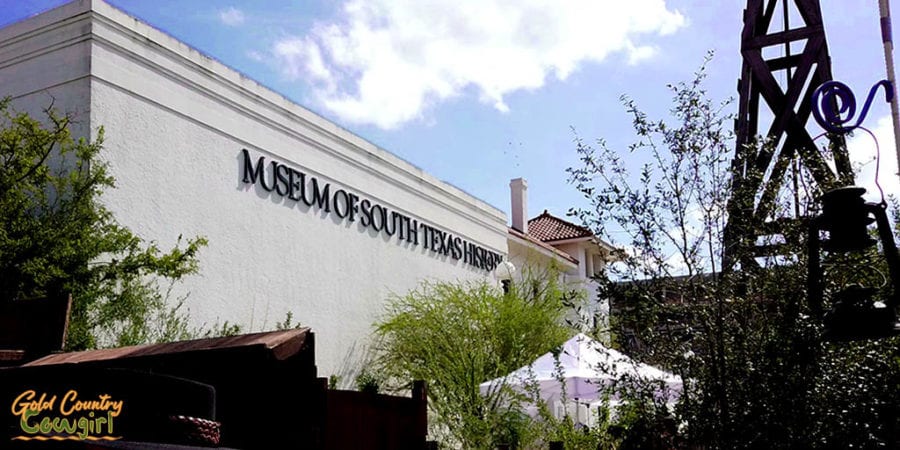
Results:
759 172
810 12
784 62
781 37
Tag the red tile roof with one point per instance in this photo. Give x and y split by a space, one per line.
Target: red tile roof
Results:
549 228
540 244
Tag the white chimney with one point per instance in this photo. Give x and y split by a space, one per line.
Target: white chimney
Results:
518 190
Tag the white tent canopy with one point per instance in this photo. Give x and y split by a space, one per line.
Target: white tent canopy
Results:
587 367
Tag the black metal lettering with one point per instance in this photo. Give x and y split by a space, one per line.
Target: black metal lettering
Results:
365 209
296 181
446 243
289 182
457 247
491 260
320 196
437 240
407 230
280 178
414 231
427 236
354 206
379 214
403 226
392 229
252 174
337 205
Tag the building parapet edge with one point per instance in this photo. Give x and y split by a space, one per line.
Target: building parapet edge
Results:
227 79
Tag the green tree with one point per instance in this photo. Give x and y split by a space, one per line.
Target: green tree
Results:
56 238
455 336
757 374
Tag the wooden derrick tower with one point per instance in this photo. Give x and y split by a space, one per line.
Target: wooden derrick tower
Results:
785 84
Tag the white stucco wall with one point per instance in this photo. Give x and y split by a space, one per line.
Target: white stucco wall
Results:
176 122
531 260
595 314
47 68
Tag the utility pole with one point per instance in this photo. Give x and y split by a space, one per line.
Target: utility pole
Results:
887 40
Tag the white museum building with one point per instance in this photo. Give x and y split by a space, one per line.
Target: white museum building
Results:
300 214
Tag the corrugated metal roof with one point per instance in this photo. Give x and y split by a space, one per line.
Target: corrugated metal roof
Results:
273 340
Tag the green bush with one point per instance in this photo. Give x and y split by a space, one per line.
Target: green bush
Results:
455 336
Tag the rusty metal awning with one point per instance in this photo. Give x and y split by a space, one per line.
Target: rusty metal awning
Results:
281 344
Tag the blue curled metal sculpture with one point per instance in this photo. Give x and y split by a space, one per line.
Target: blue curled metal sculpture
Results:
834 94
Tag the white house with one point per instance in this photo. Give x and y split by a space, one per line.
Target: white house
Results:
549 241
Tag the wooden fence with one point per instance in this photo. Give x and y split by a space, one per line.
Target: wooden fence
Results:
368 420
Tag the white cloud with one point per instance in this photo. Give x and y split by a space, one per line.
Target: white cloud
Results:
301 57
256 56
637 55
862 153
386 61
232 16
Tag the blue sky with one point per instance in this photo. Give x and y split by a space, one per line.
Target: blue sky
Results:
479 92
